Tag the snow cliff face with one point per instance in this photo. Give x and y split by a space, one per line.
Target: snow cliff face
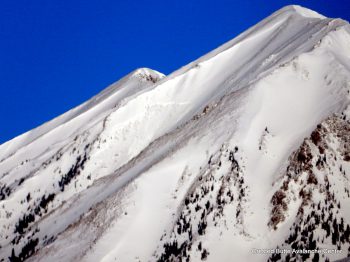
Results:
246 148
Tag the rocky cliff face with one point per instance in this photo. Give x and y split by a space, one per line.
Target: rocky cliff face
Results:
317 183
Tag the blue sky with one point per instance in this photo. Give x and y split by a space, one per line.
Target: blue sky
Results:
56 54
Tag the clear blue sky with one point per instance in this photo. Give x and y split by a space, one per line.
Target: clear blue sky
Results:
55 54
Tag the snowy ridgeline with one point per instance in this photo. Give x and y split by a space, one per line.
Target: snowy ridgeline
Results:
245 150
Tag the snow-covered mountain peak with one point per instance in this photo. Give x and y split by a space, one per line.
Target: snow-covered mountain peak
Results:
301 11
247 147
147 74
300 25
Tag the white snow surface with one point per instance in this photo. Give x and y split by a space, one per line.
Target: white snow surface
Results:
148 137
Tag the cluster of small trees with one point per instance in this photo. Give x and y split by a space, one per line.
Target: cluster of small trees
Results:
27 251
302 233
73 172
4 192
193 219
173 250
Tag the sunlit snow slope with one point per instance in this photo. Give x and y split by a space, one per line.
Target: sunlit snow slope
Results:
246 148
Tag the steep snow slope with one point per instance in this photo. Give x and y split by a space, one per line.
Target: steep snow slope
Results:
104 101
209 162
